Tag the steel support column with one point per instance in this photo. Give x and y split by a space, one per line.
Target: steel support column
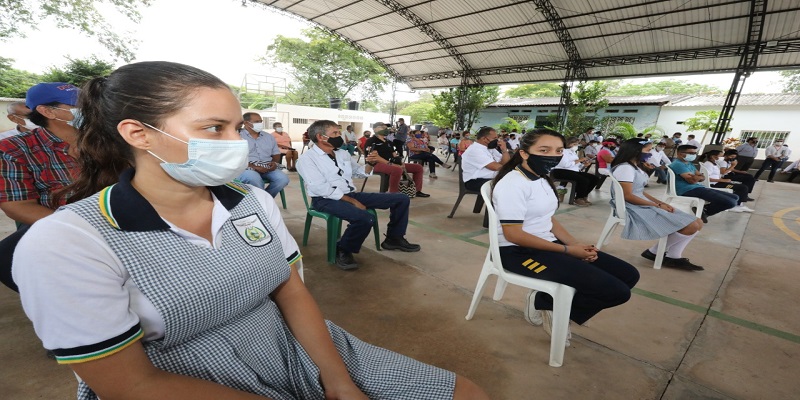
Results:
462 98
575 69
747 65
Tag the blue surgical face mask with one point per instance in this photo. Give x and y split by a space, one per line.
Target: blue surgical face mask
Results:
210 162
77 117
690 157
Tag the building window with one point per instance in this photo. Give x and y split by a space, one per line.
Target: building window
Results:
612 111
765 138
630 111
300 120
519 118
607 123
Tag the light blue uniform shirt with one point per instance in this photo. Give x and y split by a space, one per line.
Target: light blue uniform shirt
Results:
261 148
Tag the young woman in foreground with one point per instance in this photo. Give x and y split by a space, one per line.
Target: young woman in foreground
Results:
172 283
525 200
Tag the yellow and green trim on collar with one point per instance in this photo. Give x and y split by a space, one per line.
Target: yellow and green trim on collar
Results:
104 201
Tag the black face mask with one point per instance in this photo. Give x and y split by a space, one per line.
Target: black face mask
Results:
542 165
336 142
492 144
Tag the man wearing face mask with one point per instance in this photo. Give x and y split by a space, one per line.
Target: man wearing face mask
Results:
18 114
689 182
390 162
569 168
328 173
774 155
34 165
747 153
660 160
263 158
481 161
727 165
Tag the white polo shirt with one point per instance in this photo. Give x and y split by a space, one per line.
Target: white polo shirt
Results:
77 292
475 159
520 200
569 161
713 170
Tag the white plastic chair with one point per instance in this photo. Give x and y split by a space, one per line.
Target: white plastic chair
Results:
562 294
617 217
707 181
672 195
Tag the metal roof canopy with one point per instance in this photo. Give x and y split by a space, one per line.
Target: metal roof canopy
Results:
446 43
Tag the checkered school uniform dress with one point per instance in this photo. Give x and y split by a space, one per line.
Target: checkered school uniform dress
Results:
648 222
222 326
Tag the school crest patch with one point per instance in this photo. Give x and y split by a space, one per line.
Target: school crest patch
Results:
252 230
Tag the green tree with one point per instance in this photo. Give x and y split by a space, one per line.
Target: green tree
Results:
703 121
445 105
510 124
586 99
660 87
18 16
15 83
419 111
791 81
533 90
78 71
324 66
626 130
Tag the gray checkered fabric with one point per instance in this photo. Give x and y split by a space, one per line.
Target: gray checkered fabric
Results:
222 326
646 222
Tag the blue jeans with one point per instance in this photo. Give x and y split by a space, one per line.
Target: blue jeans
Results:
661 174
277 180
360 222
718 201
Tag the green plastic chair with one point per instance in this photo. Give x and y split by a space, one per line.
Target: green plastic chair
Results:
282 193
334 226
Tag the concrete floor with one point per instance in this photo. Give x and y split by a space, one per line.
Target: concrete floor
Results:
729 332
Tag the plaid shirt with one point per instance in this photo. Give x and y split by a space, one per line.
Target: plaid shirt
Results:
34 165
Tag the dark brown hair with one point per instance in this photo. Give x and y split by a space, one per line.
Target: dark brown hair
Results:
148 92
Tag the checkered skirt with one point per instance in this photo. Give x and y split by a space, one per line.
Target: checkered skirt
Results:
222 326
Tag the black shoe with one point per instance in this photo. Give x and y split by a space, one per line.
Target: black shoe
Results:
703 214
399 244
649 255
748 199
420 194
345 260
770 181
681 263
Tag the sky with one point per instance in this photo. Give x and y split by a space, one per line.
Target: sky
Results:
225 38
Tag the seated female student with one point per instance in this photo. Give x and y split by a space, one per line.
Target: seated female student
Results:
570 169
171 283
709 160
525 200
604 157
648 218
419 150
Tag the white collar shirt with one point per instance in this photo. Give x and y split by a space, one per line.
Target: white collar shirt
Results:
475 159
659 158
327 178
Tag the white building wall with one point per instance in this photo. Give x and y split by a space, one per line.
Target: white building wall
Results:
296 119
748 118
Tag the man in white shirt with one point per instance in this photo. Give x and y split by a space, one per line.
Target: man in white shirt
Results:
481 161
513 142
18 114
661 161
793 170
328 172
350 143
774 154
693 142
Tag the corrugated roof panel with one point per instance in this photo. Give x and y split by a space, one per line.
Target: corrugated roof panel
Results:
744 100
601 28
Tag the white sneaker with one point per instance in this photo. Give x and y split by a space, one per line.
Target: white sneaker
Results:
547 324
432 176
532 315
736 209
746 208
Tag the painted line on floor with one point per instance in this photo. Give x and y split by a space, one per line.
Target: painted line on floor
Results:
476 233
652 295
777 219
